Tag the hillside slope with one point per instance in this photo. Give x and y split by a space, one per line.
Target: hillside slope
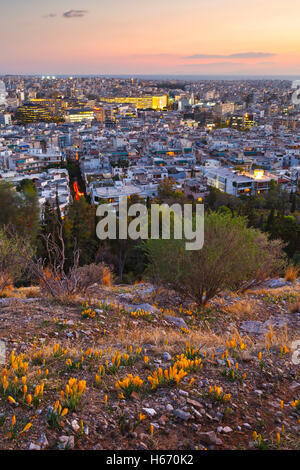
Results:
201 379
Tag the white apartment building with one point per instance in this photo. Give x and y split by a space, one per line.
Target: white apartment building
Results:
112 194
237 184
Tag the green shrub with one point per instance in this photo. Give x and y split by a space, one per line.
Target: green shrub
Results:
233 257
14 257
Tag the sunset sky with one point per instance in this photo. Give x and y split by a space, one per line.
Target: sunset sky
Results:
191 37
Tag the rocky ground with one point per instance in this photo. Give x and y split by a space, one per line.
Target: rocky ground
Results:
224 377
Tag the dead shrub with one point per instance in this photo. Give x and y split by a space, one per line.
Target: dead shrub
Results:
31 292
93 274
5 283
61 283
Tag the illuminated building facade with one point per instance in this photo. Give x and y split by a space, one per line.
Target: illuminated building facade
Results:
237 184
141 102
248 121
99 114
54 105
31 112
80 115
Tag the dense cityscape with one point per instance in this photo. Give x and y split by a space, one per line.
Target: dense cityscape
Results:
123 137
140 132
150 229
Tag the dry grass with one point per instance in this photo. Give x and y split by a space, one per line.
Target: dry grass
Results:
107 279
291 273
171 339
276 338
115 331
275 291
243 309
6 285
30 292
295 307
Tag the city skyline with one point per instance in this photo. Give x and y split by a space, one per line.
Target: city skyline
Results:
176 38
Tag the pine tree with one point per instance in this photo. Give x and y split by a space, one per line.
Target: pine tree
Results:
80 231
270 220
293 202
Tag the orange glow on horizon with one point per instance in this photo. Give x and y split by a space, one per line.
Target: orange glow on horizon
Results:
134 37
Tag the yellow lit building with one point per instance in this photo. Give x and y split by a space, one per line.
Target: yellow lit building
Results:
160 102
32 112
99 114
54 105
79 115
141 102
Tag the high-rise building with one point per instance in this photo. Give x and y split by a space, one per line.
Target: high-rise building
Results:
5 119
3 93
224 108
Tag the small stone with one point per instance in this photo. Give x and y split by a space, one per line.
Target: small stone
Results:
75 425
227 429
247 425
194 403
150 412
155 425
147 346
143 446
254 327
162 420
275 283
66 442
294 386
33 446
169 407
182 414
102 426
43 441
209 437
177 321
196 413
166 356
141 307
203 383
